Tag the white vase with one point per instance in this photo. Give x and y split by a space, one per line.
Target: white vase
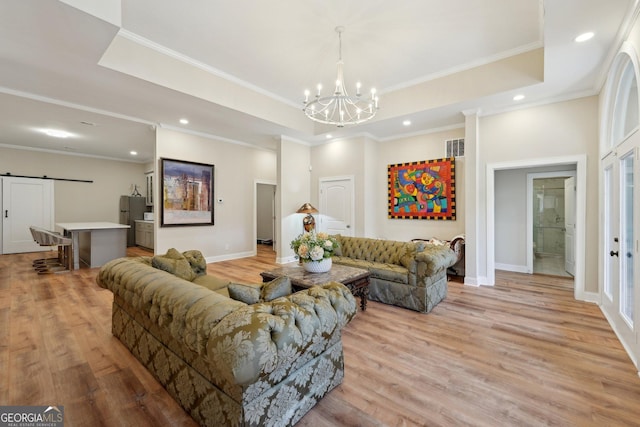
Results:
321 266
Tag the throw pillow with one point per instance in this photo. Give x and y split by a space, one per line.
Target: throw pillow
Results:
248 294
175 263
261 292
276 288
337 250
197 262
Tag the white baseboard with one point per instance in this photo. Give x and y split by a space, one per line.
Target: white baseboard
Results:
228 257
627 348
286 260
512 267
477 281
471 281
593 297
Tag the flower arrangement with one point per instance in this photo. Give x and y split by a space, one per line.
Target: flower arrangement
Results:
312 246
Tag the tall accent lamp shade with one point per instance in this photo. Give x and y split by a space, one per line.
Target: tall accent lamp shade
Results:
308 222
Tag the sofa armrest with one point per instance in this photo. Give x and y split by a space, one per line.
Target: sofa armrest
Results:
270 340
409 262
435 258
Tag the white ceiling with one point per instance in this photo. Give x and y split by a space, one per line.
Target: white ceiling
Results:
50 74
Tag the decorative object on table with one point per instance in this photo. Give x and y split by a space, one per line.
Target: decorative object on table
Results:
339 108
135 192
187 193
422 190
321 266
308 222
315 249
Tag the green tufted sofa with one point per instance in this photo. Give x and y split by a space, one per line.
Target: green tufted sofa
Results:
406 274
225 362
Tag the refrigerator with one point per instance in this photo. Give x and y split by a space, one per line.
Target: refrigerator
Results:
132 208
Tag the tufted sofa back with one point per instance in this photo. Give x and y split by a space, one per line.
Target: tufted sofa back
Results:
376 250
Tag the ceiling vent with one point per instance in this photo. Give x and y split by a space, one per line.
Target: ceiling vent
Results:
454 148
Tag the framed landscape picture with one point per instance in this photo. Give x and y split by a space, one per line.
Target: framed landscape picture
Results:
422 190
187 193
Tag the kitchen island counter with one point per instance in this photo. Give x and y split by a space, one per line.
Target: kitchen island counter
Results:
96 243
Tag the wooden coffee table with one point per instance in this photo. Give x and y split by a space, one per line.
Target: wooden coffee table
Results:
356 279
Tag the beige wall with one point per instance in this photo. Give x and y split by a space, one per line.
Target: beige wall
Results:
237 167
423 147
561 129
555 130
367 161
293 191
344 157
78 201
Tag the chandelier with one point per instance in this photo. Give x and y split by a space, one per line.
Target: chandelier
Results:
339 108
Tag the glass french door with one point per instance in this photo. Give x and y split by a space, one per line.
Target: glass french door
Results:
621 266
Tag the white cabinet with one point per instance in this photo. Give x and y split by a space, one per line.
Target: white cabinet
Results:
149 188
144 234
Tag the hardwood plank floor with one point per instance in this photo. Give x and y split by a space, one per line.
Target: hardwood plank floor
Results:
521 353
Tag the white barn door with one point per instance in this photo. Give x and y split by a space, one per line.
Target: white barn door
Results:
25 202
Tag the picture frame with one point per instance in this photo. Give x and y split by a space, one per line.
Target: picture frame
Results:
186 191
422 190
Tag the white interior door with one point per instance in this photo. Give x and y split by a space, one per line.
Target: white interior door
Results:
337 206
621 216
25 202
570 225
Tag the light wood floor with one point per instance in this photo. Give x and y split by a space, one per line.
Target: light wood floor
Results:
522 353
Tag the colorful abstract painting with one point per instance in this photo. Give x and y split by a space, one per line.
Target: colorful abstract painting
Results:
423 190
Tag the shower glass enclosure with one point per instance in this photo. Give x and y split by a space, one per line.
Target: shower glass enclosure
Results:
548 224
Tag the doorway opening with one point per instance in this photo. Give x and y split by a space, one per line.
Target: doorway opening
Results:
502 251
265 214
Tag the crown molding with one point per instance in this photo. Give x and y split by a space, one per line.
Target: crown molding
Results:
201 65
71 153
81 107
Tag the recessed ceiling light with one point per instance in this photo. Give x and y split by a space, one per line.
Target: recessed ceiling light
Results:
56 133
519 97
184 121
133 153
406 122
329 136
584 37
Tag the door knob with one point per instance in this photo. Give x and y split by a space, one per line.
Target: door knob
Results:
612 253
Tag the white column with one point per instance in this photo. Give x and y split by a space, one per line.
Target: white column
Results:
294 189
475 209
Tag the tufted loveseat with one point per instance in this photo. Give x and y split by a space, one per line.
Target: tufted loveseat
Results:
228 363
407 274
